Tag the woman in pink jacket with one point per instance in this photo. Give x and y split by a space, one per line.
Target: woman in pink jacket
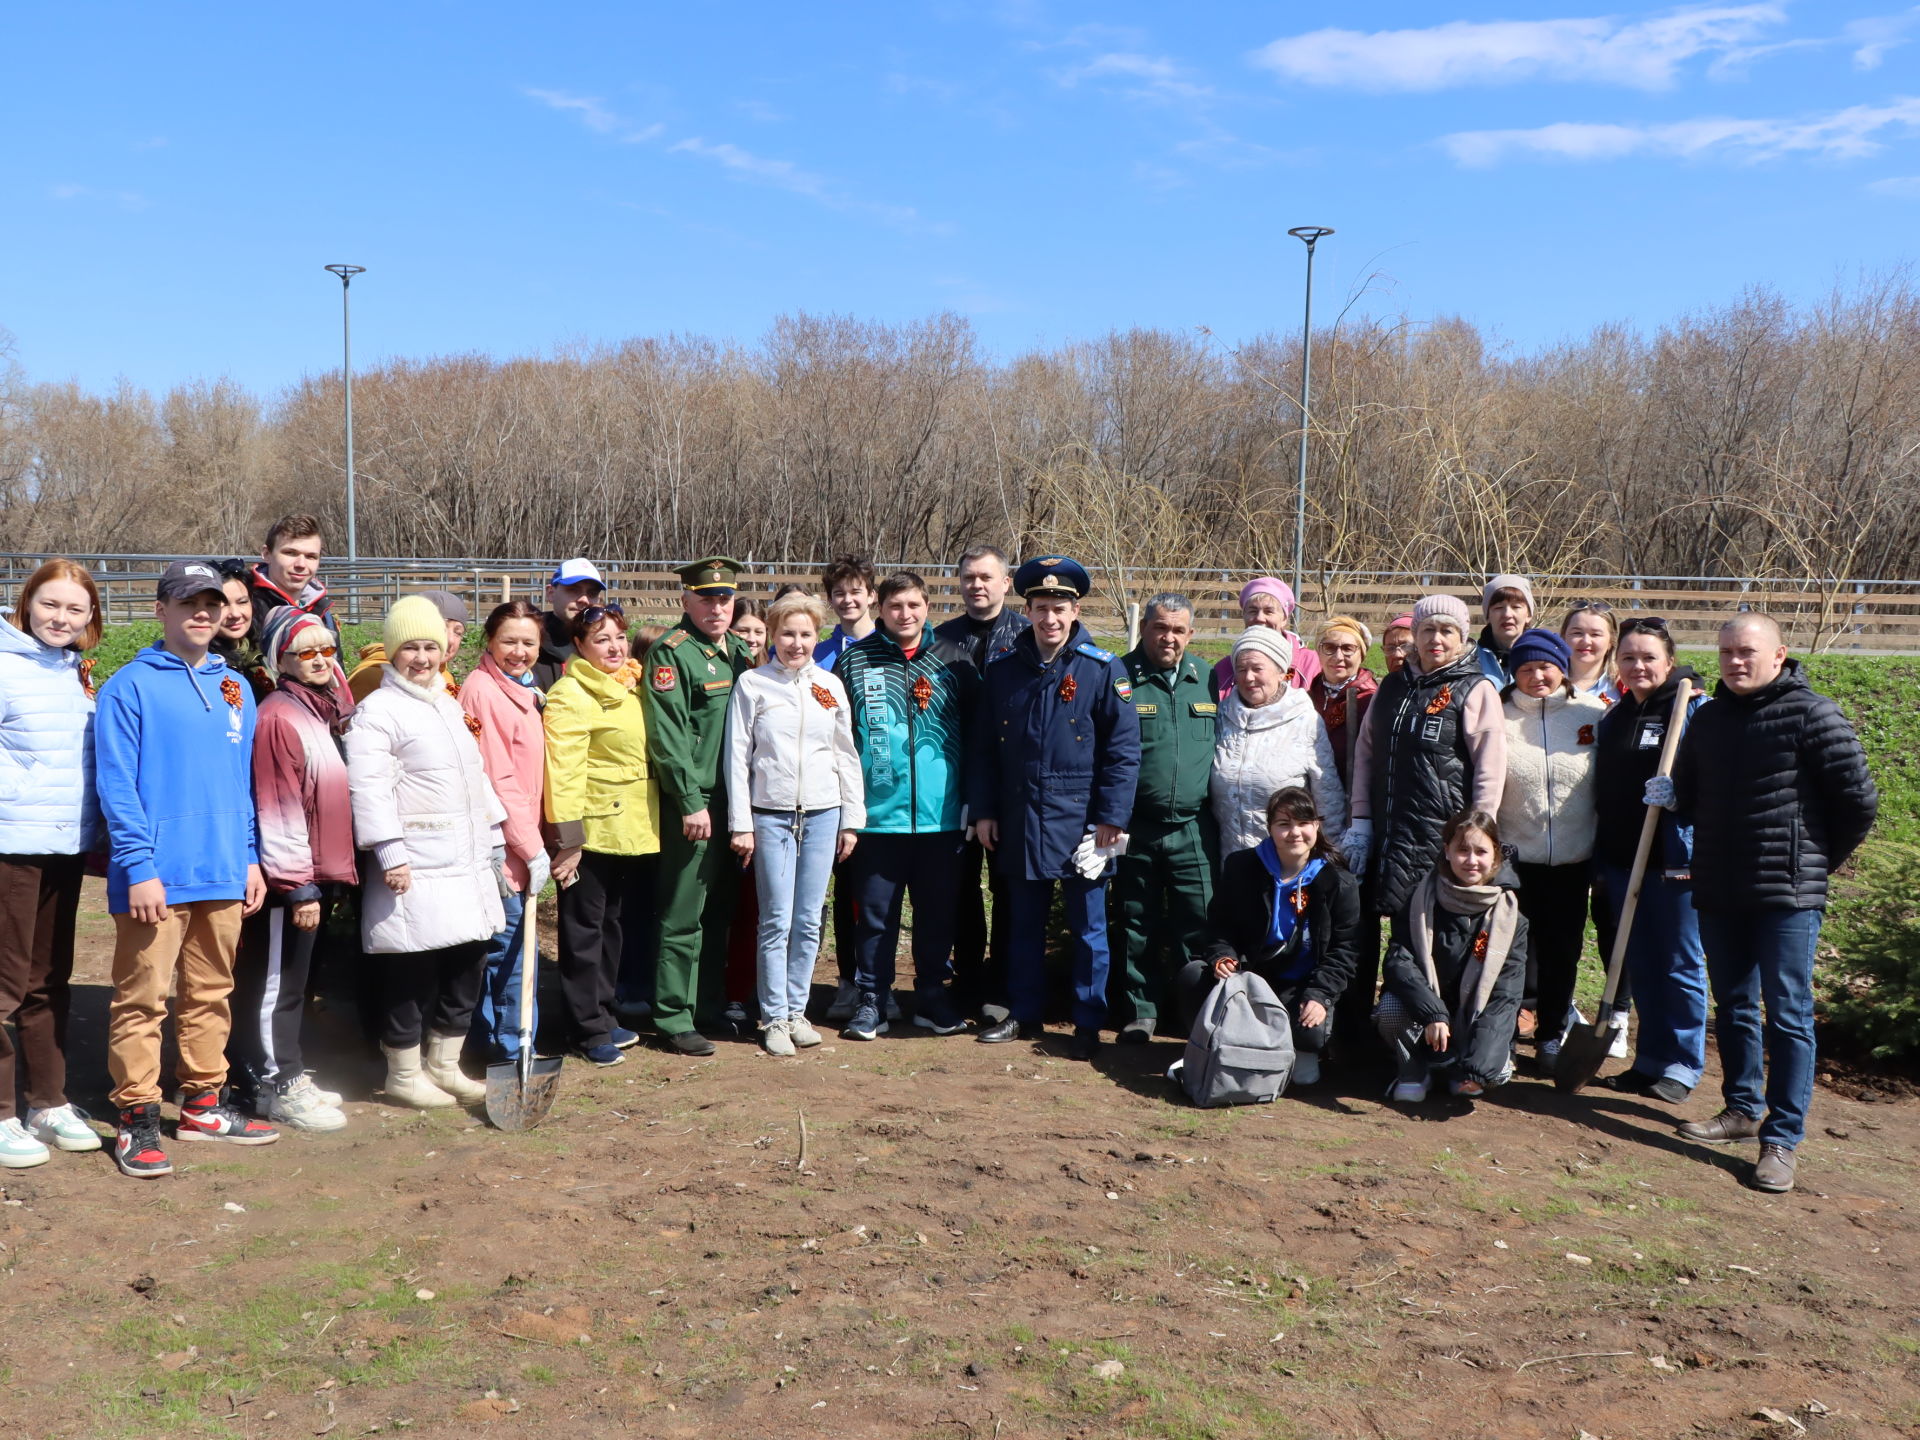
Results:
503 708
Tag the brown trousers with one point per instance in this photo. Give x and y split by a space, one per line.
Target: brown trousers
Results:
195 946
39 896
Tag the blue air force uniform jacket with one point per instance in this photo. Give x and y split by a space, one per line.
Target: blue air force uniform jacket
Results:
1056 749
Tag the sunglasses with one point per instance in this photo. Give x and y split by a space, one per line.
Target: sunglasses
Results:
1598 607
594 614
325 652
1644 622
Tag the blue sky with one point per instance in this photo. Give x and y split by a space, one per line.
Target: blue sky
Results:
517 177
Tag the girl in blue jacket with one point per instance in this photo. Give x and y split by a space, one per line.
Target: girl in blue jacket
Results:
49 820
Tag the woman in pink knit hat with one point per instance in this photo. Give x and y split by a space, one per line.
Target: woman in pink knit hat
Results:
1269 601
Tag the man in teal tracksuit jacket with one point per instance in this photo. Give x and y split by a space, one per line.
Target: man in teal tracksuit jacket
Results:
910 695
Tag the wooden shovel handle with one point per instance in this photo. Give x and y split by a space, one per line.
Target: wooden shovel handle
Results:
1649 828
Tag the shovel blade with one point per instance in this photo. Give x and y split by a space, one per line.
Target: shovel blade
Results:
514 1103
1582 1054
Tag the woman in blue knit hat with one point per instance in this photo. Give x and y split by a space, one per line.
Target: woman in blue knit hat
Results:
1547 819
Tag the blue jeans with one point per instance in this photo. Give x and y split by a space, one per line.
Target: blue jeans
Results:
1086 905
1668 971
790 869
1756 958
496 1019
883 872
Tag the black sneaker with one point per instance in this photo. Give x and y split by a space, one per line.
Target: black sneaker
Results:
1138 1031
1085 1043
204 1117
136 1146
689 1042
933 1011
867 1021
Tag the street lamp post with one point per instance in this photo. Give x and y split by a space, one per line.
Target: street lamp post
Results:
1309 235
346 274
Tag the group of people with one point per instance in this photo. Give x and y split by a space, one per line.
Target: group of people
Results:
1274 813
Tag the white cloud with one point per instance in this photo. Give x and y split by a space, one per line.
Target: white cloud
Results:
1874 36
1897 187
1644 54
1141 77
742 164
125 199
592 114
1842 135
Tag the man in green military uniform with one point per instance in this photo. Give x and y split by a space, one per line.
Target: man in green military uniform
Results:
690 675
1165 880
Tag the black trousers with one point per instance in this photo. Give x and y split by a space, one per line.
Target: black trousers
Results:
593 913
1555 900
887 870
432 992
1195 982
979 944
270 981
1356 1040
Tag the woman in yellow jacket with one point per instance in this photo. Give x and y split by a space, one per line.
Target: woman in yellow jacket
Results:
605 806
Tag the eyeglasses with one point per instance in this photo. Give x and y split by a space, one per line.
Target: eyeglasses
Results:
325 652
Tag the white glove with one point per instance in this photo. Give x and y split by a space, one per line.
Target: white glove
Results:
1086 858
1356 845
539 871
1659 791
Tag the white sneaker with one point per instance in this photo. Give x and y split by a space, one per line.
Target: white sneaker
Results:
802 1033
325 1097
1306 1069
845 1001
18 1149
776 1038
893 1006
64 1127
1411 1092
300 1106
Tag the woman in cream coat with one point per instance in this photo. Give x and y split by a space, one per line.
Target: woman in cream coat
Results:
431 900
1547 817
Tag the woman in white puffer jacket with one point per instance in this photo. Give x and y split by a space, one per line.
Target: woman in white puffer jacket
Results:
430 902
1547 817
1270 737
796 795
49 820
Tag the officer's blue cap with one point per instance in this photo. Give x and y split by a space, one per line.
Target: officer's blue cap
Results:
1052 575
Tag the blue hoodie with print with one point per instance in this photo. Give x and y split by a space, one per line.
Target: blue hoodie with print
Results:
173 762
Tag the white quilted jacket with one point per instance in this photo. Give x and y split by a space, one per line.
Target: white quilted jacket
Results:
47 801
1257 752
421 797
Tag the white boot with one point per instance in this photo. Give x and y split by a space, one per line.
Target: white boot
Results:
406 1085
443 1069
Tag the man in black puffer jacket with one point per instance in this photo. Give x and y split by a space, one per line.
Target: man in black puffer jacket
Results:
1776 785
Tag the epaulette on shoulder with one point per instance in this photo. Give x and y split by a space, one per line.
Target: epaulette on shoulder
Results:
1087 647
676 639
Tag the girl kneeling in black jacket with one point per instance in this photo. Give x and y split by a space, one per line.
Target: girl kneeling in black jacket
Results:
1289 911
1456 967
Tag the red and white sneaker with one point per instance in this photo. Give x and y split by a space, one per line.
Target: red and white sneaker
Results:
136 1144
205 1118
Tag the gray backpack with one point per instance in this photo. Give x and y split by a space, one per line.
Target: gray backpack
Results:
1241 1048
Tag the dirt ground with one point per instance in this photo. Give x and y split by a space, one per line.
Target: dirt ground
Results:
982 1242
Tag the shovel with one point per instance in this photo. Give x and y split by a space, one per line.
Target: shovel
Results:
1585 1048
520 1091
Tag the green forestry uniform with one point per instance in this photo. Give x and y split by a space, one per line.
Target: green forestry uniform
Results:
688 683
1163 883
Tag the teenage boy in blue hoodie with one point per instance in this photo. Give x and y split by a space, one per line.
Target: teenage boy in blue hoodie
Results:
173 763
